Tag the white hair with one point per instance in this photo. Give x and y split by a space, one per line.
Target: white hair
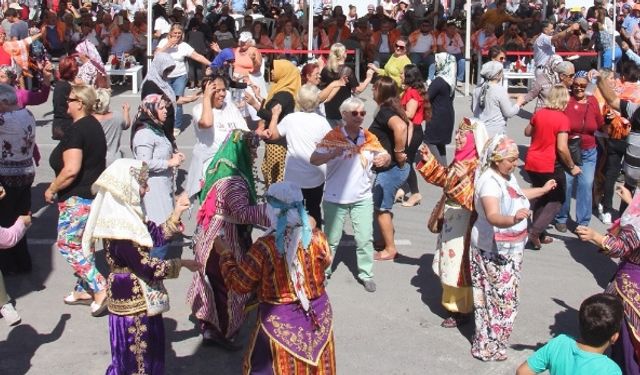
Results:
351 104
308 100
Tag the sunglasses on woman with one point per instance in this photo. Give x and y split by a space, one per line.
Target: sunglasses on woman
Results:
356 113
400 47
580 86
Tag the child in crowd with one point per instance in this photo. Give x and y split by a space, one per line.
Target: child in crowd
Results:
600 318
9 237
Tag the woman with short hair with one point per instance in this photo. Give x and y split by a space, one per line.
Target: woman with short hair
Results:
303 131
78 161
113 123
67 72
548 154
17 173
350 153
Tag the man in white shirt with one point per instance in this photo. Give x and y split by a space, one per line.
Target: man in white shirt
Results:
132 6
422 44
543 47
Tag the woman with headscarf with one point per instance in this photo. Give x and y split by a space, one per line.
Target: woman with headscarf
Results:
490 103
137 297
285 268
451 260
544 82
441 91
229 208
156 82
92 71
622 241
285 79
150 144
498 238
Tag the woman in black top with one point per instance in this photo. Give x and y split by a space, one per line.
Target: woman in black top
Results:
68 69
336 70
78 161
285 79
391 126
157 82
438 132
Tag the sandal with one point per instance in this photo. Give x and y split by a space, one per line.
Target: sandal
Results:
456 320
97 309
379 257
72 300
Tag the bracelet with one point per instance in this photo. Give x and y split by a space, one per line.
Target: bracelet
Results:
398 151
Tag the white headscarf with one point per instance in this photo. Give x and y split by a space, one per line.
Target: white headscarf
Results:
446 68
285 201
116 212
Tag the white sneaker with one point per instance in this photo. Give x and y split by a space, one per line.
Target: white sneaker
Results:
10 314
605 217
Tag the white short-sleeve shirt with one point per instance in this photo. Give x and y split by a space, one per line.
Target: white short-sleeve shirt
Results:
178 54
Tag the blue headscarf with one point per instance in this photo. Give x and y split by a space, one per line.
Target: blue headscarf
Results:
224 56
581 74
282 221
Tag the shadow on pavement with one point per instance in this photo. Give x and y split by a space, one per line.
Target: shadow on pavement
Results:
24 339
601 267
346 253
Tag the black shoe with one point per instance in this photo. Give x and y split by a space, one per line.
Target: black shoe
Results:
561 227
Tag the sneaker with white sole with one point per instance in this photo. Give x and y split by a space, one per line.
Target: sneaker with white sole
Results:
605 217
10 314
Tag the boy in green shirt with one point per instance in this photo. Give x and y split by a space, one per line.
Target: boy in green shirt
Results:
600 318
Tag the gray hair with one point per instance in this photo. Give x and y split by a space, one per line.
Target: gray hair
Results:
103 98
8 94
565 67
308 97
351 104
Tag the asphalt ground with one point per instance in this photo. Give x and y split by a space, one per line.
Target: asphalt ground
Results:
395 330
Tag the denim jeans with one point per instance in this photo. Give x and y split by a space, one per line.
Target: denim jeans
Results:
423 61
387 184
460 65
159 252
178 84
584 190
361 215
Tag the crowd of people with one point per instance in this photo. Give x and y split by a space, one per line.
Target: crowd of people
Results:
321 164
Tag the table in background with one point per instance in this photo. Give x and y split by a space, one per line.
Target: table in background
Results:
510 75
135 72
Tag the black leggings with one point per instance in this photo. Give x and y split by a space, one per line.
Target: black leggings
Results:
412 156
313 202
546 207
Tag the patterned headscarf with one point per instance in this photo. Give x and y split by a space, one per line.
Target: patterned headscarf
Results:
161 62
498 148
148 115
290 223
549 69
286 77
476 138
446 68
581 74
116 212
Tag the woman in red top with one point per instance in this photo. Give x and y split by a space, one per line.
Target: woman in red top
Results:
585 118
415 102
548 129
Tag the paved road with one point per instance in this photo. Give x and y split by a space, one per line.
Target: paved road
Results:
393 331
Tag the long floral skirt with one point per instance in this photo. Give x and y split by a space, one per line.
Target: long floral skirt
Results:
496 281
137 344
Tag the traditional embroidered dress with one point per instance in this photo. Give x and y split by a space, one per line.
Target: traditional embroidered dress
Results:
451 259
294 332
496 255
229 208
135 321
623 241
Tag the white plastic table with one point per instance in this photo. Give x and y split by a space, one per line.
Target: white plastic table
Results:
507 75
135 72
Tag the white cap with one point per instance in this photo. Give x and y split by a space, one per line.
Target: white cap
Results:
245 36
177 6
15 6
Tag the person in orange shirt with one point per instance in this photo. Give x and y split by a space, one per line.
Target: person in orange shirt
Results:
498 16
319 40
383 42
339 32
288 39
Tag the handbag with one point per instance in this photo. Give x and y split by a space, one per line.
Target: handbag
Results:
436 220
156 297
575 143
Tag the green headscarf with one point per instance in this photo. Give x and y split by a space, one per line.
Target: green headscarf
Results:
232 159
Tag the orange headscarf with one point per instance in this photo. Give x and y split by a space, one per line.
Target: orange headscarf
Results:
286 77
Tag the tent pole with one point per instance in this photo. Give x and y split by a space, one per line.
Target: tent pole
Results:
467 50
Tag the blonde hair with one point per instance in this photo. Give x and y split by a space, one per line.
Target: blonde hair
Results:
336 57
103 97
87 96
557 98
308 99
